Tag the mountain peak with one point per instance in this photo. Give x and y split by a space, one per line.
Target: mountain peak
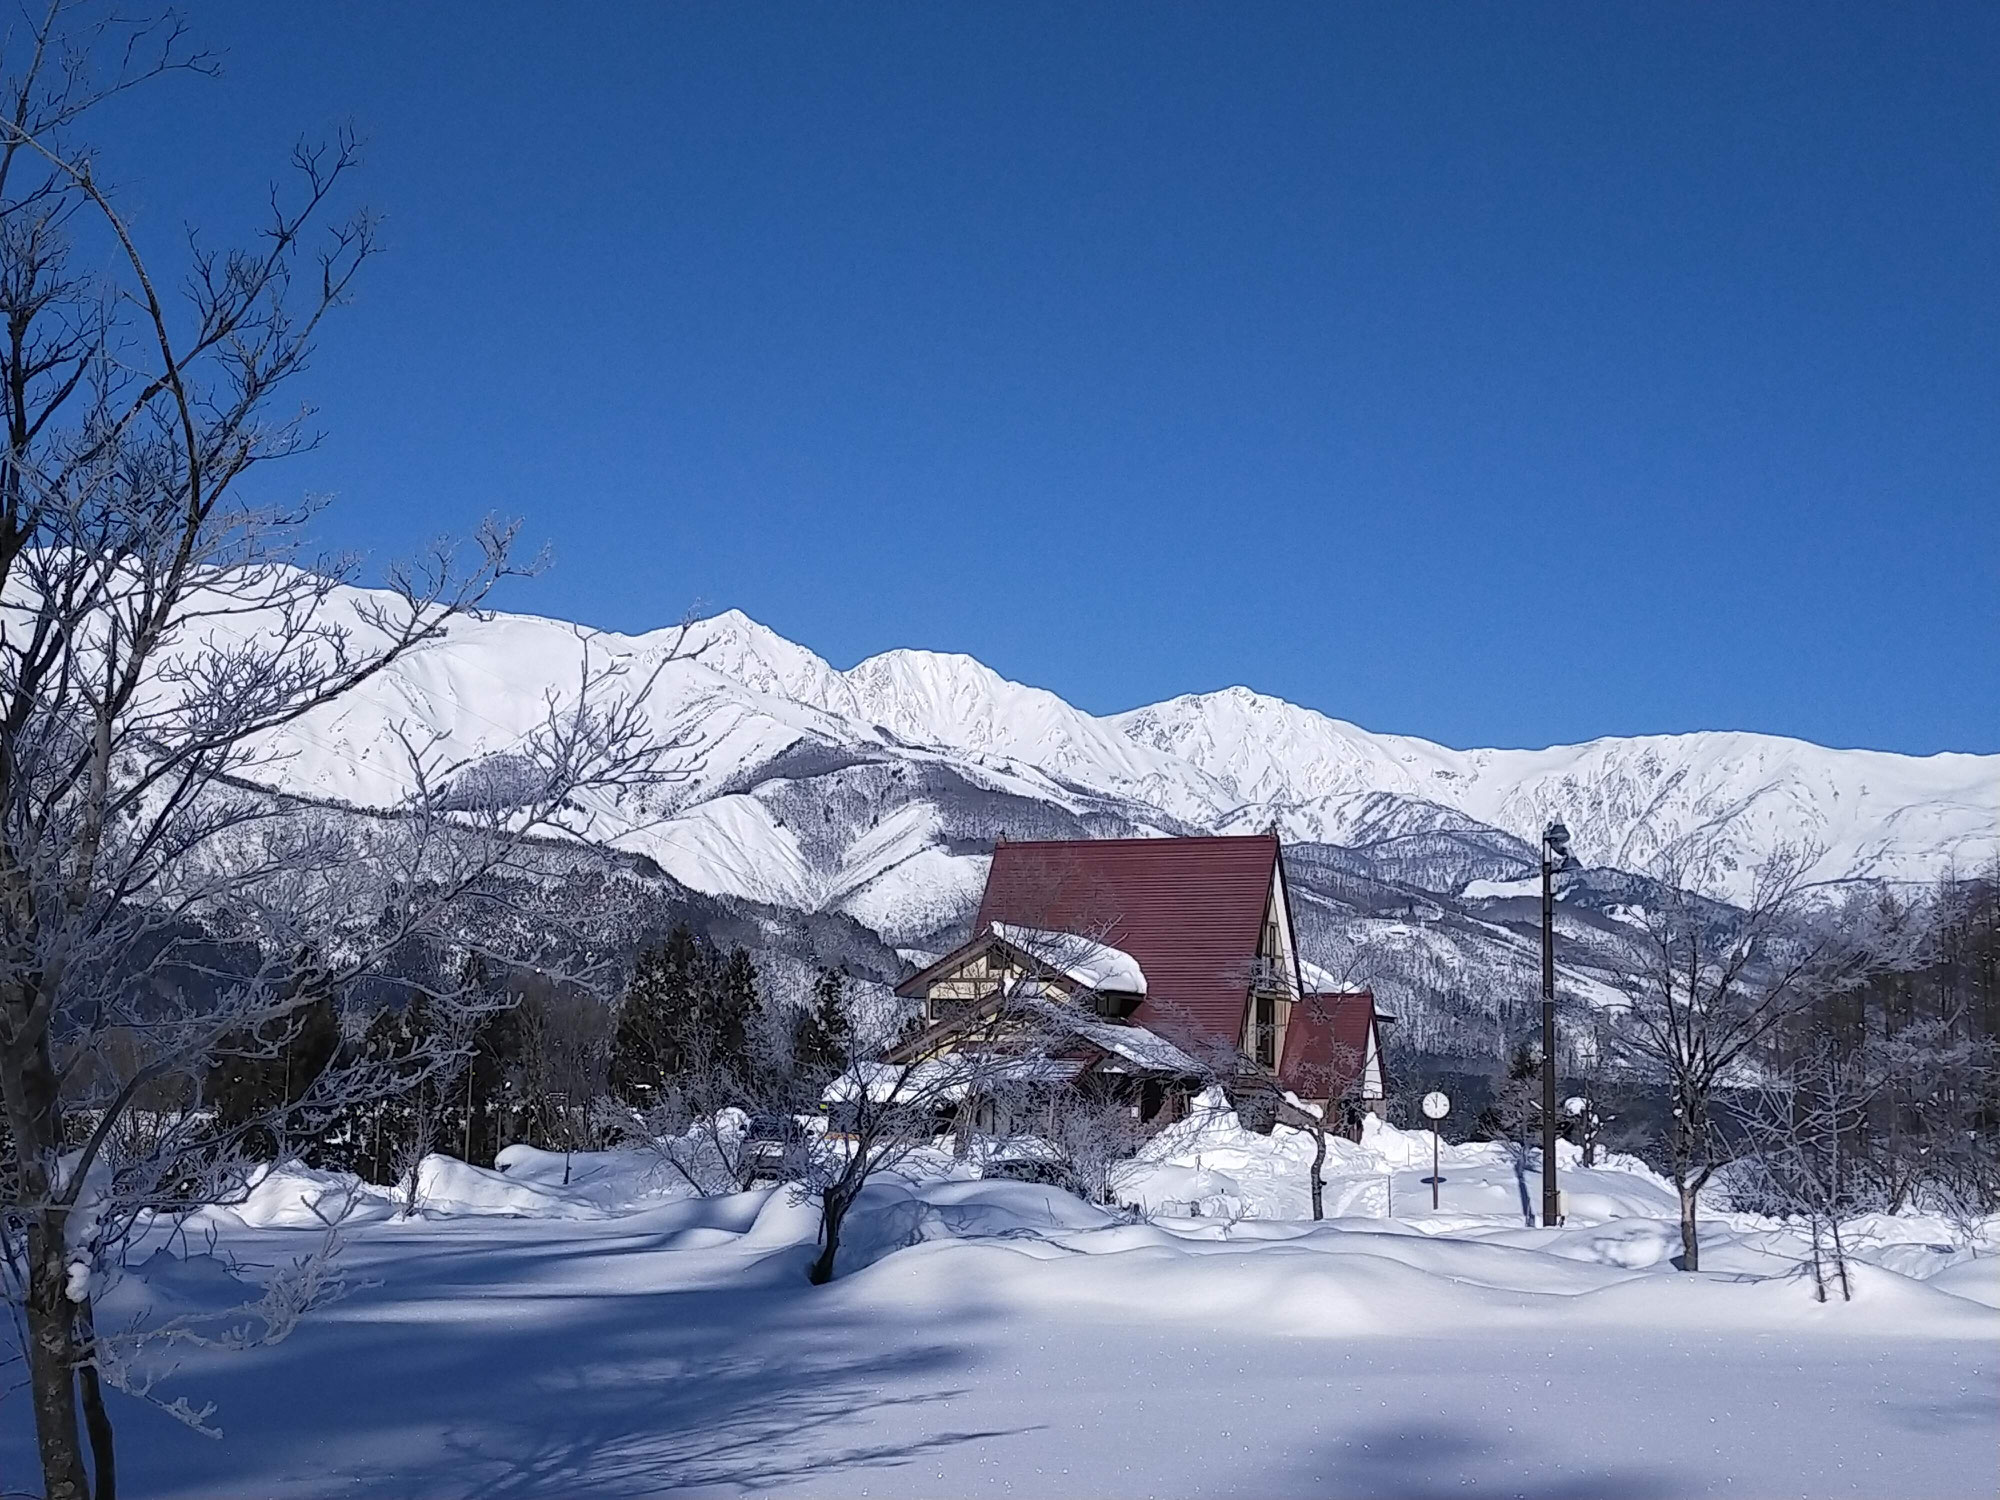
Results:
756 656
1217 761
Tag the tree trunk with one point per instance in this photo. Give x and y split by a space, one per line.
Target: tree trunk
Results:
29 1080
1690 1242
1319 1162
1840 1263
96 1420
962 1128
833 1209
52 1361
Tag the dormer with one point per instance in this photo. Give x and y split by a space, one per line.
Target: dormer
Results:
1029 962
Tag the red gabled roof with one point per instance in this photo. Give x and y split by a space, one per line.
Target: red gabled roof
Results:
1326 1044
1189 910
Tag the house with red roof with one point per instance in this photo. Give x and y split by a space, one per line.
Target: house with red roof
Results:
1170 963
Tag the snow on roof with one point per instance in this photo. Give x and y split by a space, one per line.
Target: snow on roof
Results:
1035 1070
885 1083
1324 981
1135 1044
1094 965
1320 981
1140 1047
943 1080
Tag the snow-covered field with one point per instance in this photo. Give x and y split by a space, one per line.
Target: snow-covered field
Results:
520 1337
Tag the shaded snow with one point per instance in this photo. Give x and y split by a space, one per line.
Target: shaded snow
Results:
1008 1339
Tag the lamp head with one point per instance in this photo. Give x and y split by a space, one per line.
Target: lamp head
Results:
1557 838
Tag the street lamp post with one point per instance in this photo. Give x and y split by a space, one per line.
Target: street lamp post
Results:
1555 858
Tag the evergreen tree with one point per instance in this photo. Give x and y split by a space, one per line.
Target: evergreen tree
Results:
730 1015
689 1009
655 1021
375 1138
1516 1112
243 1086
821 1035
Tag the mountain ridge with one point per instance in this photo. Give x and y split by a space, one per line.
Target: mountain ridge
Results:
876 793
753 708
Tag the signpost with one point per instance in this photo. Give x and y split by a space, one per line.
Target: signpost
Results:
1436 1107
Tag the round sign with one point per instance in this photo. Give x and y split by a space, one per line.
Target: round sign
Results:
1436 1105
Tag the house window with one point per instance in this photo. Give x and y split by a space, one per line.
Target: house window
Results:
948 1007
1264 1040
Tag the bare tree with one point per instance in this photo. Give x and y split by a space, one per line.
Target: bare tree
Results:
698 1122
1708 985
1802 1123
1303 1087
1920 1026
1825 1138
1515 1115
1586 1124
880 1115
1069 980
441 1059
1333 1075
1090 1131
1043 1056
1929 1138
701 1131
1337 1072
158 634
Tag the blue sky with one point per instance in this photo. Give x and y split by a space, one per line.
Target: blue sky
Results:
1501 374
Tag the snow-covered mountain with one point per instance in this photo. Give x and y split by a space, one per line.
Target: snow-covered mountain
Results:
876 791
871 789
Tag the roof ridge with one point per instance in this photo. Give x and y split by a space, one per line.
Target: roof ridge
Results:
1269 836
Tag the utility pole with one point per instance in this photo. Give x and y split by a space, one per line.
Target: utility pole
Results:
1555 857
471 1067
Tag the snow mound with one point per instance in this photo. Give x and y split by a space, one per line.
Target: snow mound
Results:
607 1182
448 1187
293 1196
1209 1166
1975 1280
